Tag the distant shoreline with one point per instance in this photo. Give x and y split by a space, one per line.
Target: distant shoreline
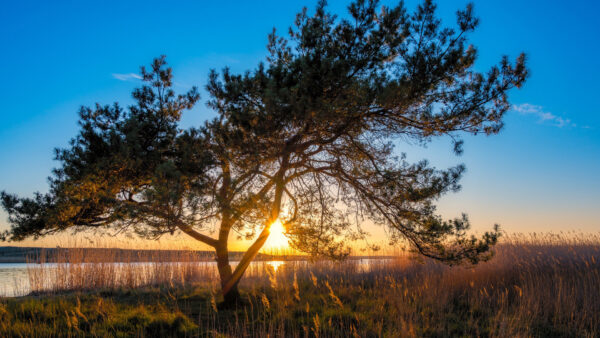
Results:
12 254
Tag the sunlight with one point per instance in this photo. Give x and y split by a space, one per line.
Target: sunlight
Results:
277 239
275 264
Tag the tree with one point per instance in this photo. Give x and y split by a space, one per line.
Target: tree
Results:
307 138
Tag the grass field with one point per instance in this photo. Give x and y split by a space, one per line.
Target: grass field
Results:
540 286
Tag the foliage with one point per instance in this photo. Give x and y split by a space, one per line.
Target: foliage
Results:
121 169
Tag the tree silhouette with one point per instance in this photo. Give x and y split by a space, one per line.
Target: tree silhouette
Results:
307 137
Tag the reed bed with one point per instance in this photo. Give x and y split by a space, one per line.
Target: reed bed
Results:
79 269
537 285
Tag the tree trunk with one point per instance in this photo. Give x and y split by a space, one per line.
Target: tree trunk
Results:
246 260
229 279
233 280
231 296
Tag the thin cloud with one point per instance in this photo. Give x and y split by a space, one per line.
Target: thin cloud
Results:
543 116
126 77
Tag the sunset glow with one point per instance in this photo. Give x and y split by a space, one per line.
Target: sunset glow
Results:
277 239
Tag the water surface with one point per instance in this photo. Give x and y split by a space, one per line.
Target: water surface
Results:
14 277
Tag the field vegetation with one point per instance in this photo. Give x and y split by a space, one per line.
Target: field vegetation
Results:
536 285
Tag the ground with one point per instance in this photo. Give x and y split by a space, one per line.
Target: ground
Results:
536 291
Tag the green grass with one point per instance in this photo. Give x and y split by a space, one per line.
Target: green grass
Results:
93 314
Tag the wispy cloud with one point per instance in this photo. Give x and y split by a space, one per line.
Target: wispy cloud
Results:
542 115
126 77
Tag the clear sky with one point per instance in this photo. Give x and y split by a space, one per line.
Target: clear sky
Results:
541 173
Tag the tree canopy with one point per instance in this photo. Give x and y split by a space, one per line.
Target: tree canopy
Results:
308 137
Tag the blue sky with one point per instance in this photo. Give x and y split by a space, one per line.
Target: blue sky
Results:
541 173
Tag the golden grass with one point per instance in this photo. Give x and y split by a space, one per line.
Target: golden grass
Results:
536 285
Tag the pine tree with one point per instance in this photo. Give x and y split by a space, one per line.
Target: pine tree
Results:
307 137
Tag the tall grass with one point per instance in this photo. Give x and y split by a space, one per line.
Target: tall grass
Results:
536 285
80 269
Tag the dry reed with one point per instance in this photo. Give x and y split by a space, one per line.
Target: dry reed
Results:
536 285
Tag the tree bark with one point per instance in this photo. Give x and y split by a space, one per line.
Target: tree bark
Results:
245 261
231 296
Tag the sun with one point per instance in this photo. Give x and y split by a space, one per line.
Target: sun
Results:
277 239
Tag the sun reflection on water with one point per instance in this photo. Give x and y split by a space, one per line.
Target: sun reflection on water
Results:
275 264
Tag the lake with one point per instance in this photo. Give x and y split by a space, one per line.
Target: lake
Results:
15 277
